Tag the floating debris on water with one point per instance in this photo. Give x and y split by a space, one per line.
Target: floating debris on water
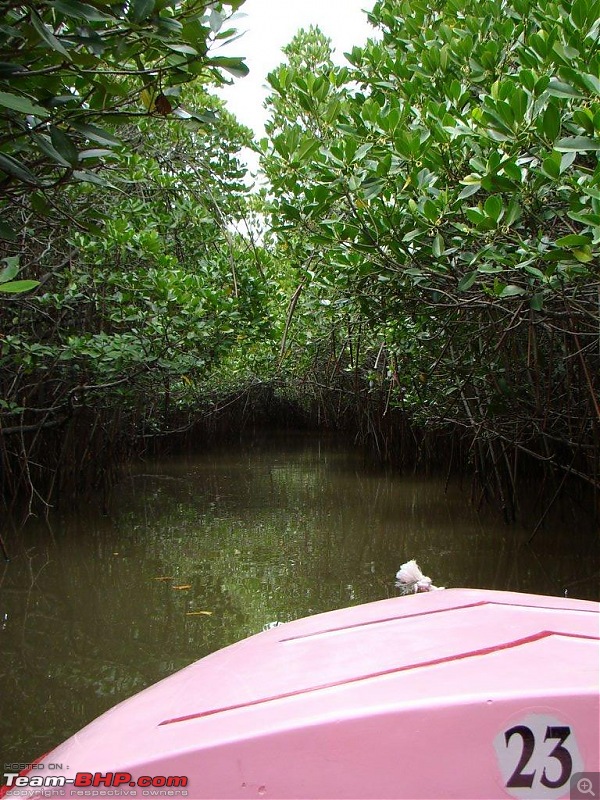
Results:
411 580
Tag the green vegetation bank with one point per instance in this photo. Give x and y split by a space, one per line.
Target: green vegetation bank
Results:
421 266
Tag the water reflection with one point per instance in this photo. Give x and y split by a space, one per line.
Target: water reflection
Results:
271 529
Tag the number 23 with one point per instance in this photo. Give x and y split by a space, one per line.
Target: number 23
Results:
522 779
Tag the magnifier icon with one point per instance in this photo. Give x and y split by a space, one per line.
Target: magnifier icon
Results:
584 786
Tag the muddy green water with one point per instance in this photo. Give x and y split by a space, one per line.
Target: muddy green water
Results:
94 608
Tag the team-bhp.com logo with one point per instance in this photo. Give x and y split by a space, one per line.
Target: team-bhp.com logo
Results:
95 784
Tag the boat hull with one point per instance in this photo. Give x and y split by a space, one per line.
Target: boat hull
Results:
454 694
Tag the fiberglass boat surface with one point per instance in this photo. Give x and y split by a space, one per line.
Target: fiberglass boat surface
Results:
452 694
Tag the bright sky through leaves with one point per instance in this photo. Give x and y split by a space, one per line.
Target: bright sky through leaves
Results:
269 26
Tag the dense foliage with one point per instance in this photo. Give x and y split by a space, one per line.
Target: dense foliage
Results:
121 192
430 258
446 195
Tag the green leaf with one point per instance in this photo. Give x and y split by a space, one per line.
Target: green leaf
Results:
560 89
307 149
489 269
72 8
17 287
371 188
585 118
47 35
10 69
40 204
96 134
170 25
537 301
139 10
585 218
184 49
534 271
96 153
566 160
7 233
362 151
467 281
64 145
583 254
11 269
513 213
551 168
90 177
45 145
235 66
578 143
469 189
573 240
551 122
474 215
215 21
512 291
591 82
493 207
17 102
430 210
579 12
513 171
15 169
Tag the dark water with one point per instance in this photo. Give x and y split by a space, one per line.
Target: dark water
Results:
270 529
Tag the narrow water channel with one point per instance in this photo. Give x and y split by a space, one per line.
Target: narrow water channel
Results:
198 552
